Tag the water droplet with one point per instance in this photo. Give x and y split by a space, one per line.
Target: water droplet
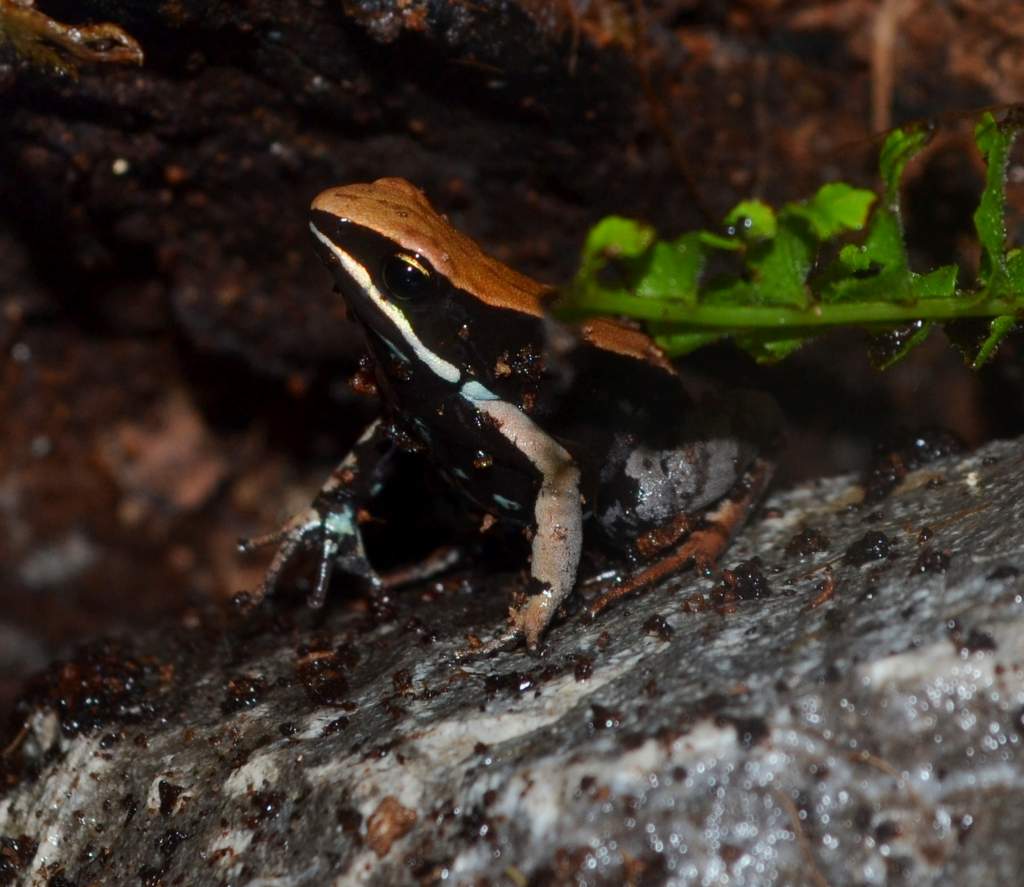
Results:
483 460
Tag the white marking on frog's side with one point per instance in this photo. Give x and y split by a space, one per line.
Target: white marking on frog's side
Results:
437 364
474 391
681 479
507 504
340 523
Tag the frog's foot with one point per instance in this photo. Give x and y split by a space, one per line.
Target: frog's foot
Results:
527 621
507 640
339 541
705 544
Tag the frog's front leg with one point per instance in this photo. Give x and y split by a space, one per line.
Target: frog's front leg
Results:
555 553
331 521
558 521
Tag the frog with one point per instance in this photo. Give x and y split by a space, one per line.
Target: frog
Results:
572 432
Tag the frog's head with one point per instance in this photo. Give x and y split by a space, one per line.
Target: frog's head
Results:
408 276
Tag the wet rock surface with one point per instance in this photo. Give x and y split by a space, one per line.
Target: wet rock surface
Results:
174 368
860 720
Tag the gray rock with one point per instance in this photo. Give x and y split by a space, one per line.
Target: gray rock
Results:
852 715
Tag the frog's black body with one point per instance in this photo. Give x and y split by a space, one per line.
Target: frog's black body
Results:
648 451
534 423
600 405
605 411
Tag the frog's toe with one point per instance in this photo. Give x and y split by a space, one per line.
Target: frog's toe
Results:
249 544
477 650
323 574
288 534
290 538
531 618
333 532
358 565
345 552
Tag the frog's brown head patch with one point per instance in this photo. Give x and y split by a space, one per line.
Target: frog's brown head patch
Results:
399 211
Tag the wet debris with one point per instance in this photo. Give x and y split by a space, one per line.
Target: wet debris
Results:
323 671
105 684
824 590
243 691
872 546
896 458
744 582
658 626
932 560
15 855
807 543
169 793
387 824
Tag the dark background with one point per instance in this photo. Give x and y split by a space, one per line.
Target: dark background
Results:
175 367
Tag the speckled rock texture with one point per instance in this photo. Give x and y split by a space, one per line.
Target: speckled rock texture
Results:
845 705
174 365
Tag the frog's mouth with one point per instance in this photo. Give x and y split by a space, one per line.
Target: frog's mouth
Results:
352 279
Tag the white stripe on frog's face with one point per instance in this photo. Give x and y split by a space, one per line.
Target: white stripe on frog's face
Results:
438 365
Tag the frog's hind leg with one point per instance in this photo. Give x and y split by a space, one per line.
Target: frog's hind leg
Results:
704 544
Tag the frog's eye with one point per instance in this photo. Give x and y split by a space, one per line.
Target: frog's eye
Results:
407 277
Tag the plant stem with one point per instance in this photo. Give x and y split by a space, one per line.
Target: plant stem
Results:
734 317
